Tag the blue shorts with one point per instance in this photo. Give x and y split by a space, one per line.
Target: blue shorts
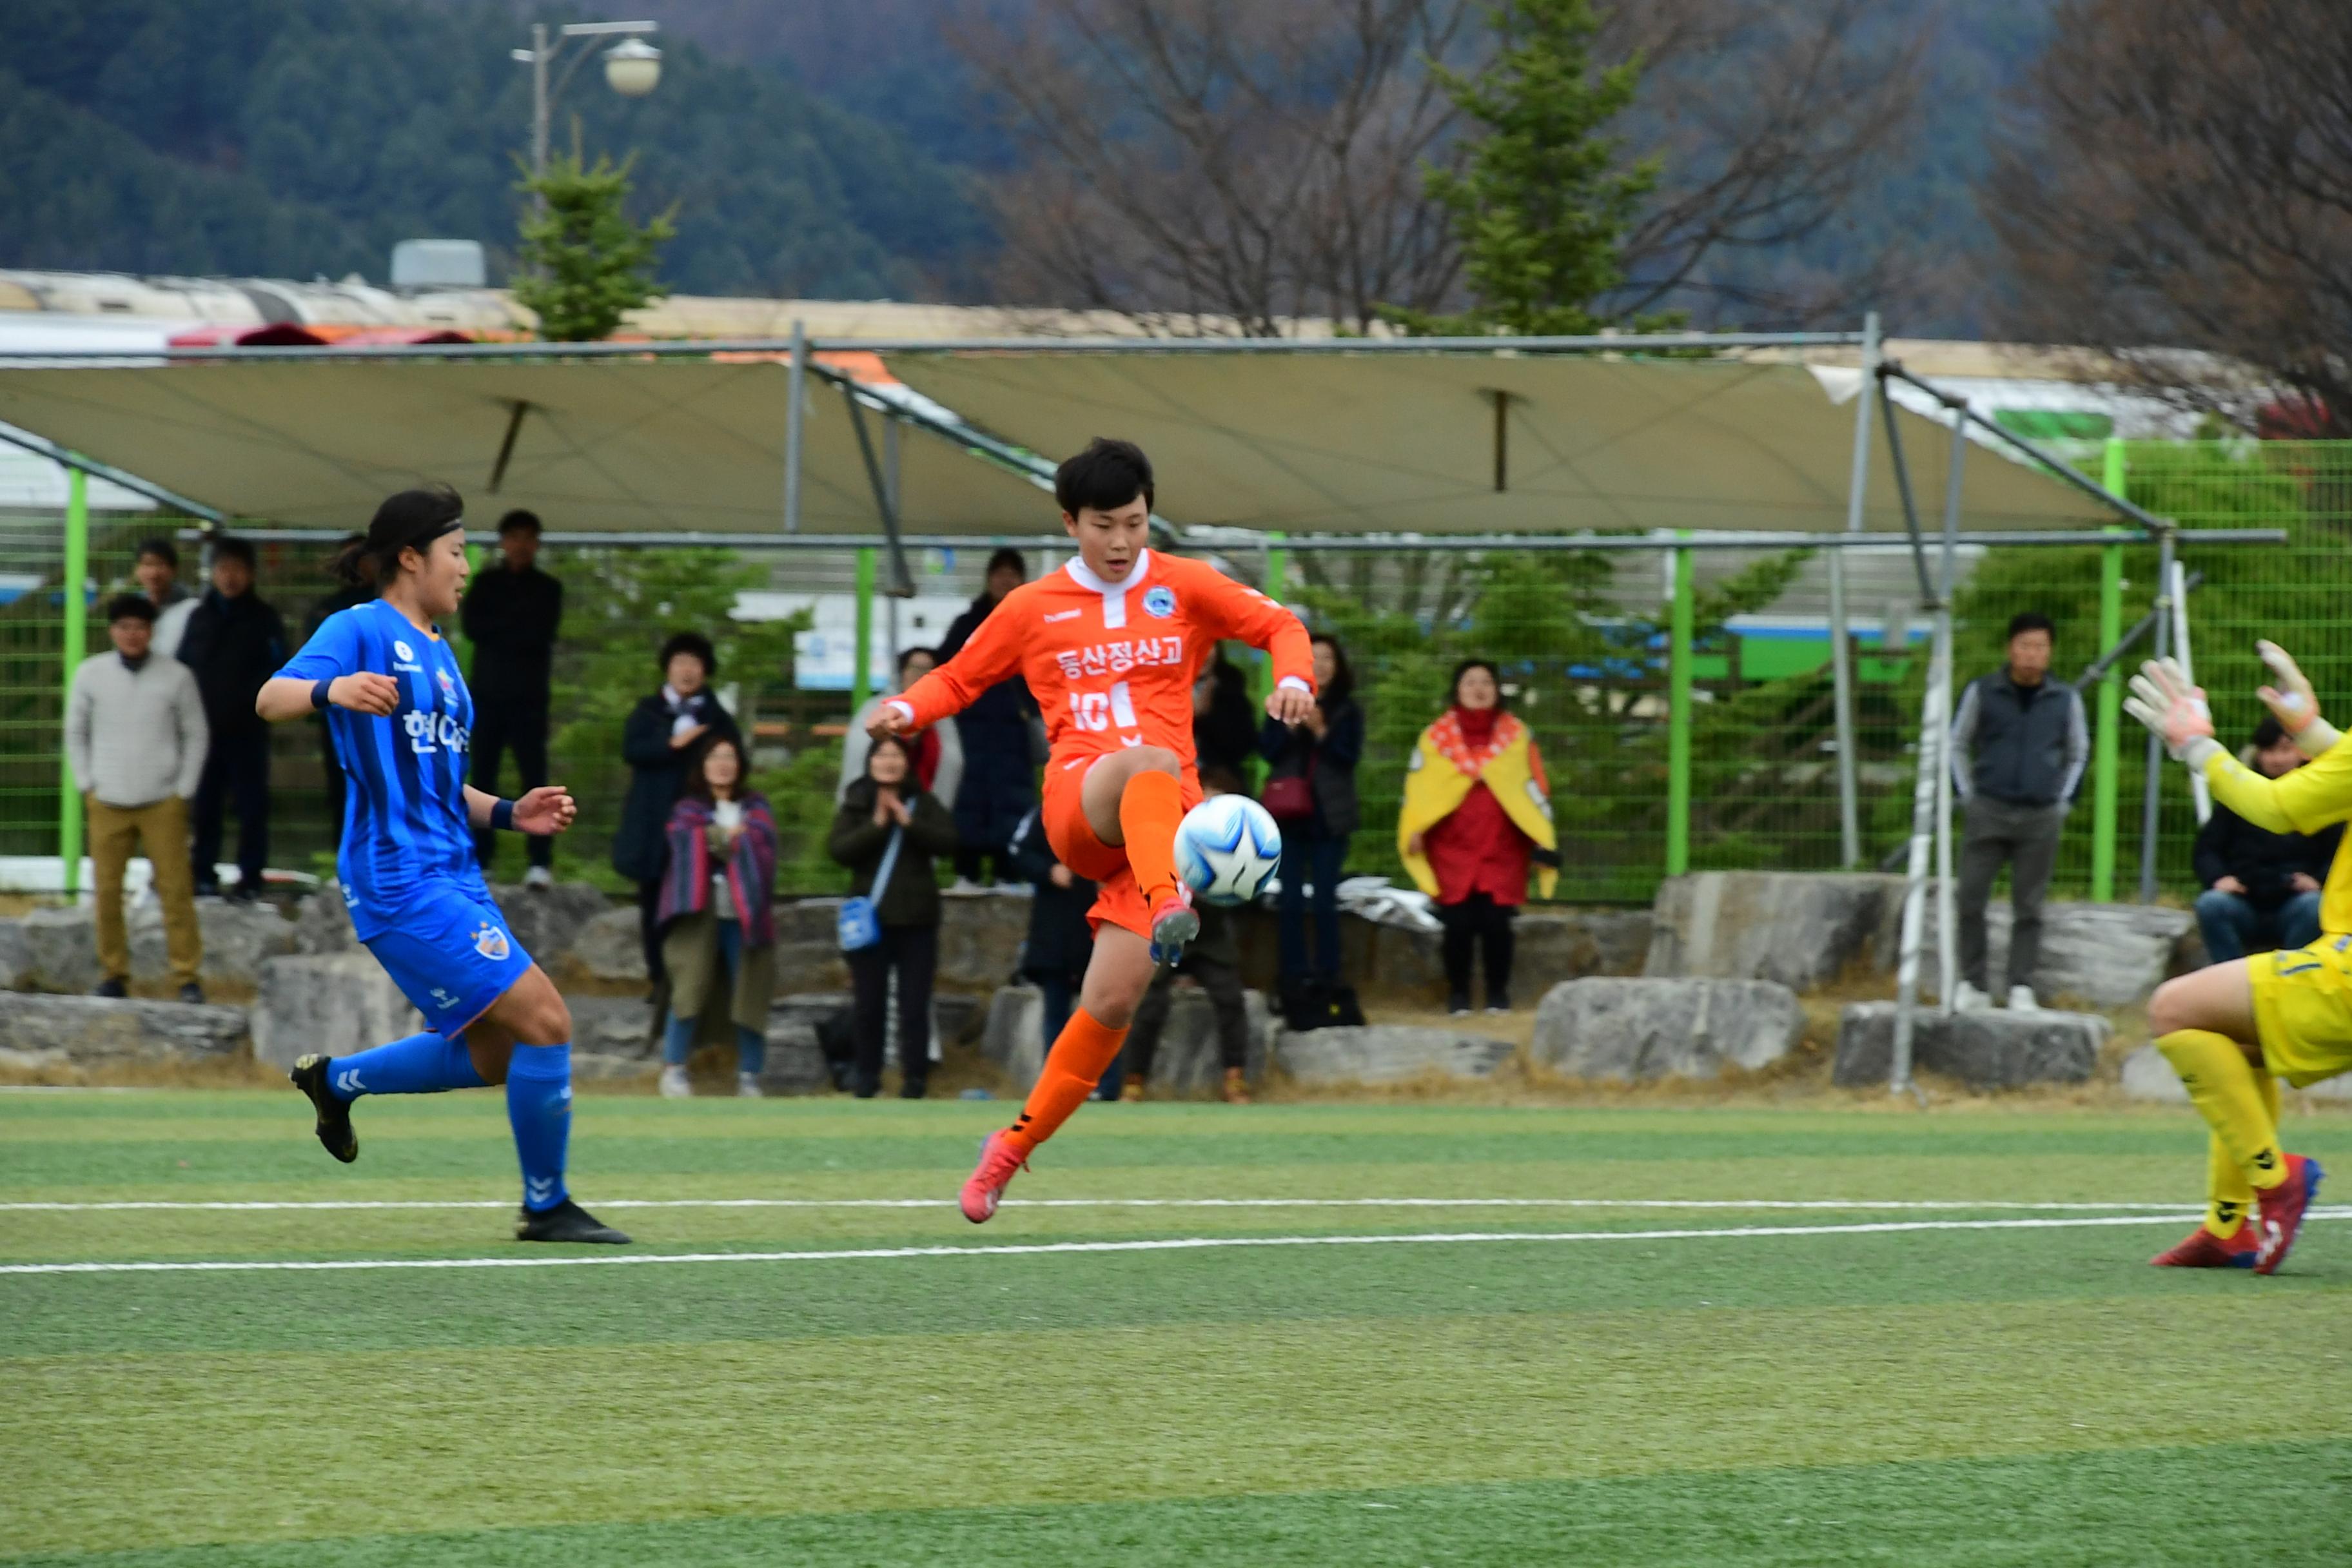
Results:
451 954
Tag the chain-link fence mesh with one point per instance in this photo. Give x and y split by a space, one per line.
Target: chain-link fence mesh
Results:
1581 639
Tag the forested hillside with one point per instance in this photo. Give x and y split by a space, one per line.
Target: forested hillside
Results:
293 137
813 149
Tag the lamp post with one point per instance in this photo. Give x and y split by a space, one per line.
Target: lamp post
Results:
632 69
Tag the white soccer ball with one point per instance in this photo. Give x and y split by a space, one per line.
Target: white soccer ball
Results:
1228 848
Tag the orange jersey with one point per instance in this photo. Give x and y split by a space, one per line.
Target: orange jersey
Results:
1112 663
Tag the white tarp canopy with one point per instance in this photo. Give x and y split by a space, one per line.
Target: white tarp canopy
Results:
1401 441
612 444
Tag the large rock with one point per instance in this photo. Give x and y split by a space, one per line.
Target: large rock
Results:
323 925
1988 1050
795 1064
1387 1053
808 947
39 1031
1635 1029
618 1027
336 1002
548 920
2108 955
1388 961
611 948
2147 1076
979 939
60 946
1188 1060
1014 1036
1798 929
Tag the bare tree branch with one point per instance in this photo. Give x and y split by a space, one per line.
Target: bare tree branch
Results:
2181 175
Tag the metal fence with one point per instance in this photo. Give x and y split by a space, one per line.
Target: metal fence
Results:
1582 639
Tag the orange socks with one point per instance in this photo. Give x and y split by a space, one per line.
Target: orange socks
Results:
1076 1063
1148 810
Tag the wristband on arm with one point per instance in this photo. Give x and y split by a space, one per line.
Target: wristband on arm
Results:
319 690
502 817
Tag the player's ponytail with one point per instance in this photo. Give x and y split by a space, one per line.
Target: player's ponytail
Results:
409 521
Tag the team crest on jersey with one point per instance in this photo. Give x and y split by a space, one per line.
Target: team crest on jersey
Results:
491 943
448 684
403 649
1160 602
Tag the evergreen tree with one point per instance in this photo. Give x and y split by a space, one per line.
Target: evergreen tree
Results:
584 264
1543 204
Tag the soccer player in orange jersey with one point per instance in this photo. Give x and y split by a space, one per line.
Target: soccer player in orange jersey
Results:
1110 643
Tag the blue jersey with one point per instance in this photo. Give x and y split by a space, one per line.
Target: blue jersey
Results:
404 824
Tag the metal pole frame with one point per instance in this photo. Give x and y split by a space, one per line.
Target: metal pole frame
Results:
861 682
1678 715
2106 741
795 421
1840 643
2152 774
74 645
902 581
1947 925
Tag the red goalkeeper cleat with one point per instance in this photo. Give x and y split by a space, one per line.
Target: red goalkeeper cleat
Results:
2202 1249
2278 1211
998 1162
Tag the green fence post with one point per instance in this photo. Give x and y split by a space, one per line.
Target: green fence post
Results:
75 627
1679 718
1277 575
2107 744
861 685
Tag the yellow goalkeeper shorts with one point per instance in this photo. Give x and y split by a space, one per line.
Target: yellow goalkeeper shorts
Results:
2302 1009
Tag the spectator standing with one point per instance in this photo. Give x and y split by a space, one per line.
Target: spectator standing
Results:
1310 789
1478 814
343 596
939 751
1061 939
136 738
511 614
887 808
1210 962
2019 744
654 742
235 643
717 913
1224 720
999 772
158 572
2262 889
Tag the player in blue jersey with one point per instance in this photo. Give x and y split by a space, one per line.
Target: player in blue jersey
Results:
400 716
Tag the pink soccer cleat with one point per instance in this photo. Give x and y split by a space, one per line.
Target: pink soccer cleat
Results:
998 1162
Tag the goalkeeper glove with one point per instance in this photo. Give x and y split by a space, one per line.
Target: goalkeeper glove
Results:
2293 703
2163 699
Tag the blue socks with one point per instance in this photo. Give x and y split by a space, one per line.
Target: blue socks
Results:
539 1109
421 1064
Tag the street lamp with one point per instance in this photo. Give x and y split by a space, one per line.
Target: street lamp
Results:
632 69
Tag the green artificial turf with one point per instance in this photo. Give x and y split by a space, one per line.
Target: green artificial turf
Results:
2015 1395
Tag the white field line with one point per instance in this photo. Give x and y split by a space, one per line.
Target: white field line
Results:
1845 1205
1174 1244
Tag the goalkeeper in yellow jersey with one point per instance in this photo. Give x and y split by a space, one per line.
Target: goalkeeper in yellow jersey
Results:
2234 1030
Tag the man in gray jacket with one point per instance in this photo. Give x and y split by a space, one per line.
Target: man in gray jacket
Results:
136 738
2019 746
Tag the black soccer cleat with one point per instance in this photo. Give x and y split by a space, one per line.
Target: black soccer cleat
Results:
311 1076
567 1221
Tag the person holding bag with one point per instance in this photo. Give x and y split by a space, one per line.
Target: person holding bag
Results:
1310 791
886 832
716 912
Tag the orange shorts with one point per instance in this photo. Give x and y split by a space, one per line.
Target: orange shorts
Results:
1117 899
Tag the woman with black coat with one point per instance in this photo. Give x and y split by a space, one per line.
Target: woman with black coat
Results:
1322 753
889 799
660 731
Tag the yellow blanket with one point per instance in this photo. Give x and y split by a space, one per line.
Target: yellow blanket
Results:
1443 771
